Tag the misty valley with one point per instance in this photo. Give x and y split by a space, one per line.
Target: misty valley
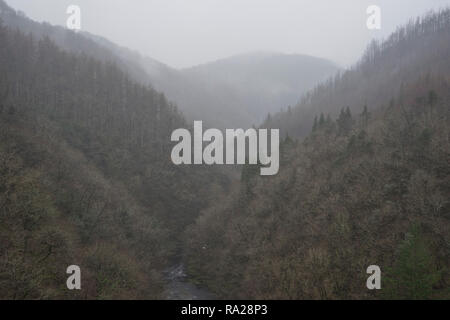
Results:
262 175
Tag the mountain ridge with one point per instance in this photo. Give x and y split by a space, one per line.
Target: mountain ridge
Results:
241 101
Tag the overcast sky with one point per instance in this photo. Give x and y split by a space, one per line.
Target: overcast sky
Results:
182 33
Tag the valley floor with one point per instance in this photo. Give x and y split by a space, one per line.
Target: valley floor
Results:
179 286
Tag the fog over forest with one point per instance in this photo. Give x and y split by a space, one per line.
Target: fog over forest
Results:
135 138
183 34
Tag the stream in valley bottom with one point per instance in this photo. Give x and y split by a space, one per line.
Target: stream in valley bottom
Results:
180 288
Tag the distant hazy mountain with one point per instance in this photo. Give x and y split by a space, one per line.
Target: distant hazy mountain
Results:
260 82
234 92
240 90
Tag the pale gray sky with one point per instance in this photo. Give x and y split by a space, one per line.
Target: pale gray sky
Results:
182 33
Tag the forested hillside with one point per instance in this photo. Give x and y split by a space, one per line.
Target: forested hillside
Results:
234 92
86 176
75 42
418 48
368 186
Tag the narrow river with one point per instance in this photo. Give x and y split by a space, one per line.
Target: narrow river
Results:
179 287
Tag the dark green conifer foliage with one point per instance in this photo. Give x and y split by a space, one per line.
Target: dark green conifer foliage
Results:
414 272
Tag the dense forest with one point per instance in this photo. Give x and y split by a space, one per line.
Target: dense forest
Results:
420 47
369 185
86 175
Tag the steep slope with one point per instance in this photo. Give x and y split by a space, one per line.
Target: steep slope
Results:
233 92
86 176
369 188
420 47
78 43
